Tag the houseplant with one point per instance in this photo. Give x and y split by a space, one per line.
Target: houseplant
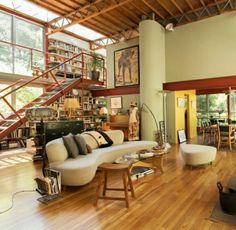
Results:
95 66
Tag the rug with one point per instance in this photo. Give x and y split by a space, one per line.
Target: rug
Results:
218 215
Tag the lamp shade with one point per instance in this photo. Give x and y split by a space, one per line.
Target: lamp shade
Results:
103 110
71 103
40 113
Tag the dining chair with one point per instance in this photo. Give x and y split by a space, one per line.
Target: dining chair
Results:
226 135
209 133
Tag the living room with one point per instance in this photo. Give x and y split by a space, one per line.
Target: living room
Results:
170 63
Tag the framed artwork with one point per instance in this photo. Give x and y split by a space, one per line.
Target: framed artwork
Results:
180 102
181 135
116 102
126 64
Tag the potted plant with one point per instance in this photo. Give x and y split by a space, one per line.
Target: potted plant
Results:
95 66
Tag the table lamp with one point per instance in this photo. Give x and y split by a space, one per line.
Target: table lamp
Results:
70 105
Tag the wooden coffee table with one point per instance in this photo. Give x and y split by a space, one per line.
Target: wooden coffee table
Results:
155 161
152 162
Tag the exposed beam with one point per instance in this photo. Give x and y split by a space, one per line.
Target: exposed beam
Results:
75 12
139 8
90 16
153 9
217 6
192 8
180 9
164 7
205 8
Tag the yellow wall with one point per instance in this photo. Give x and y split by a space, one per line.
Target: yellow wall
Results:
179 115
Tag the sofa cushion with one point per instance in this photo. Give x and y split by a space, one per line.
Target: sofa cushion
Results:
56 151
71 145
90 140
107 138
117 136
89 148
81 144
101 141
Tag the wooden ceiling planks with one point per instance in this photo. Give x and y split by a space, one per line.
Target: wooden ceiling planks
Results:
116 18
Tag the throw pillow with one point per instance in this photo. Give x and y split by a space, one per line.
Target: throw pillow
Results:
97 137
71 145
107 138
89 148
81 144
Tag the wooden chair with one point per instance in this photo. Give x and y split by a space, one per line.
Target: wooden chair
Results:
226 135
209 132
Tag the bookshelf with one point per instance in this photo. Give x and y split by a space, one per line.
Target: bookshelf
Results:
61 51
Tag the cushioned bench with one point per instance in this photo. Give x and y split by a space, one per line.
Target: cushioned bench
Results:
81 170
197 154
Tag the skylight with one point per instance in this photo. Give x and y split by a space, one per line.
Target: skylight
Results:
43 14
84 32
30 9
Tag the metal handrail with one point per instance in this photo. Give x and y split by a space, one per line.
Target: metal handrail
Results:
49 71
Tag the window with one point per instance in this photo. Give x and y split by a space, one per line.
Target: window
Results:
18 98
26 95
25 34
211 105
4 108
5 27
6 64
28 34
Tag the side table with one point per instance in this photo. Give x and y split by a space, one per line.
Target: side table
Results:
155 161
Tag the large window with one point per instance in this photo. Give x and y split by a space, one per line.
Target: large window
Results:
211 106
28 34
18 98
17 33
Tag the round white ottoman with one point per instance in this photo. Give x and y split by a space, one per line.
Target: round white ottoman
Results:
197 154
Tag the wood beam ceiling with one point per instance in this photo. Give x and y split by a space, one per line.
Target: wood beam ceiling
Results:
83 18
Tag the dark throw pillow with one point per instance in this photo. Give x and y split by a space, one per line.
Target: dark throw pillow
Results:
81 144
71 145
107 138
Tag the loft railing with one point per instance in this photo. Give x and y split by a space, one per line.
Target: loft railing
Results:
47 60
50 72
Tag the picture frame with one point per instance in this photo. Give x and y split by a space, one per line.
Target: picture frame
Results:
126 66
116 103
180 102
181 135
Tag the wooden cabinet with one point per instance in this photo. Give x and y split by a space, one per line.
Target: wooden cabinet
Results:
119 122
55 129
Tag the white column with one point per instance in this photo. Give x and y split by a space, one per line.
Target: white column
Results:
152 74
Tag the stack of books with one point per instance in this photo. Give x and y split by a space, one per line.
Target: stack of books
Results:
138 172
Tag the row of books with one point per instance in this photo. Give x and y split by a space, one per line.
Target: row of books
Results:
138 172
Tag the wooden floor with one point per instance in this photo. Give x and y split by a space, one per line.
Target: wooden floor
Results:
180 198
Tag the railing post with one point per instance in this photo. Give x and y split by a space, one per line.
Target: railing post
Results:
14 111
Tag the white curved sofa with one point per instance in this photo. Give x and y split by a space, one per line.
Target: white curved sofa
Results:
197 154
81 170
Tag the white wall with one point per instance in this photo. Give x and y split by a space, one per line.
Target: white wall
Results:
202 49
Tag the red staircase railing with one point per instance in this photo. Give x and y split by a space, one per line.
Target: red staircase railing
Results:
84 79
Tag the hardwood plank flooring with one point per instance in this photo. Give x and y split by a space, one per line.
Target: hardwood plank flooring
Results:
180 198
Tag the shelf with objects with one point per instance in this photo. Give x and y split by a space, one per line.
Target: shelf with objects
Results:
16 139
87 64
59 52
80 105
